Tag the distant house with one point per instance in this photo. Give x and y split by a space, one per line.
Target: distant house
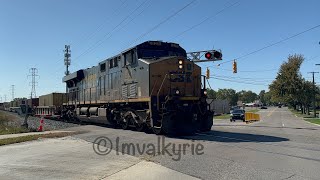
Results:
219 106
256 103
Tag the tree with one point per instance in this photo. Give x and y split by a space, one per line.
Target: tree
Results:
229 94
267 98
247 96
286 87
212 94
262 96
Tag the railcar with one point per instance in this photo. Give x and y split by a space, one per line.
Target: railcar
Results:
151 85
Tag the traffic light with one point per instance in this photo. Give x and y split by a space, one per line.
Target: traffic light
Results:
234 66
208 73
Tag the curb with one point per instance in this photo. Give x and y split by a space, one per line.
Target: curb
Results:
8 136
311 122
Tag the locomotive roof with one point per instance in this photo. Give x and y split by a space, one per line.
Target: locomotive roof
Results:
152 44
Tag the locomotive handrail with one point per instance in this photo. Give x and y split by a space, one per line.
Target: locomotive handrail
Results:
154 86
158 102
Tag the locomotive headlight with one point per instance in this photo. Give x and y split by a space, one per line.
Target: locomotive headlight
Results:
177 92
205 92
180 62
180 66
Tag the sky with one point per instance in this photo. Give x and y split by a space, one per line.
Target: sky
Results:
33 34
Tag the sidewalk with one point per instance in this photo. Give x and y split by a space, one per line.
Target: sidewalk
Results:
148 170
73 158
6 136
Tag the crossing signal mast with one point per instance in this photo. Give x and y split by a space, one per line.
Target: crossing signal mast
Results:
209 55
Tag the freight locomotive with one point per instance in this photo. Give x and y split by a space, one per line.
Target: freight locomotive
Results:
151 85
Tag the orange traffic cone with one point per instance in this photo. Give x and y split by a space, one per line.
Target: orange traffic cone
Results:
41 124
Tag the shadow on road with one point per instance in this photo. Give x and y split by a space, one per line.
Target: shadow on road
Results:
234 137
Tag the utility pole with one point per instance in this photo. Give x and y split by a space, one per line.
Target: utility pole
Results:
5 98
314 93
67 60
33 73
12 92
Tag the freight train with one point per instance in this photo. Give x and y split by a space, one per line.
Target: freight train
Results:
152 85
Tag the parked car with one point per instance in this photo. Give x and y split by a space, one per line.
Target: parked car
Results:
263 107
237 114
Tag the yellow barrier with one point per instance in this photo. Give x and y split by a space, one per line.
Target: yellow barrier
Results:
249 116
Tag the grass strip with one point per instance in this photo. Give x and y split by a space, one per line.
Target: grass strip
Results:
313 120
34 137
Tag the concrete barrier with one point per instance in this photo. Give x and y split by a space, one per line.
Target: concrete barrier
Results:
249 117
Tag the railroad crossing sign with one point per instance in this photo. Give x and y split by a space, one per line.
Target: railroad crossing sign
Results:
209 55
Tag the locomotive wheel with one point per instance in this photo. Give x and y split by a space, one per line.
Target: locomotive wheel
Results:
125 124
168 125
139 127
157 130
207 122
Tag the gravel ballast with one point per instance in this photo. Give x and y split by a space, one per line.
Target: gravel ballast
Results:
34 122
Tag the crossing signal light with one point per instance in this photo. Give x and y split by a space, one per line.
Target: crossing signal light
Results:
234 66
208 73
208 55
217 55
214 55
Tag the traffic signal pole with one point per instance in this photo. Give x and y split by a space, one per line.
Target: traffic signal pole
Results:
314 94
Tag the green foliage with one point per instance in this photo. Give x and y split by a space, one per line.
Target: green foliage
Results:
288 81
267 98
232 96
313 120
247 96
262 96
212 94
229 94
289 86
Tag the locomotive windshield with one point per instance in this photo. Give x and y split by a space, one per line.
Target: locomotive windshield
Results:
160 49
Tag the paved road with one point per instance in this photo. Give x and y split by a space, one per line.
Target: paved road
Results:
281 146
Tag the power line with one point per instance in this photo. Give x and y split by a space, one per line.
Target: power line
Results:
250 71
246 78
273 44
162 22
241 82
116 11
206 19
261 70
109 34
